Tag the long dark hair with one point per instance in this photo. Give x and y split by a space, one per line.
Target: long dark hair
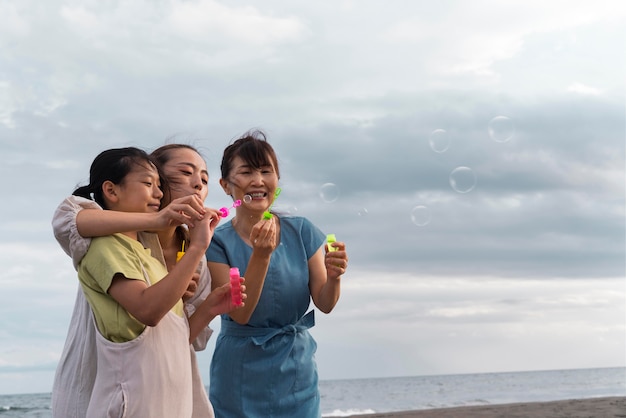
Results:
112 165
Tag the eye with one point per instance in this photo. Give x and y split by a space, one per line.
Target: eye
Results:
186 172
147 183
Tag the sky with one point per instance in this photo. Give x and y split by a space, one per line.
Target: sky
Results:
470 154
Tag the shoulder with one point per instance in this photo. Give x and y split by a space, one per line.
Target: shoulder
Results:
298 223
114 242
225 227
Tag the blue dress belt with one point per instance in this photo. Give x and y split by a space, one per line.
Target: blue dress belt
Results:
262 335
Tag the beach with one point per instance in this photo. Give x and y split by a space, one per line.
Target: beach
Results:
610 407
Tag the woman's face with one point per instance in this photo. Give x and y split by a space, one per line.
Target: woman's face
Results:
187 174
260 184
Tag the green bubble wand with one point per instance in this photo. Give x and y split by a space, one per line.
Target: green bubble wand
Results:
267 214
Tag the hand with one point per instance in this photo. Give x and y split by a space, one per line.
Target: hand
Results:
184 210
220 299
192 287
336 261
263 236
201 233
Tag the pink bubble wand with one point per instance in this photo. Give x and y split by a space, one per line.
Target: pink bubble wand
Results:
224 211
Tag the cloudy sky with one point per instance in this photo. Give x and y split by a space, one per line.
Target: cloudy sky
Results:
470 154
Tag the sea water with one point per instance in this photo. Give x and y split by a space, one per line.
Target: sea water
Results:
361 396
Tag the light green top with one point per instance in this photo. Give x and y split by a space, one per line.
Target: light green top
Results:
106 257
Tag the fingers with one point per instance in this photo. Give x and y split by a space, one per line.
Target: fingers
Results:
263 234
337 261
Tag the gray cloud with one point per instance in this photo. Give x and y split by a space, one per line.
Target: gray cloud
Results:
531 260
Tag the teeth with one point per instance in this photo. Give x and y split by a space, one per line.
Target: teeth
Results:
257 194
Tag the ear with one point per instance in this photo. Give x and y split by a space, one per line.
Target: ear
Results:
109 191
225 186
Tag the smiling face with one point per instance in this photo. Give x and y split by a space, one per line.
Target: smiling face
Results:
139 191
259 183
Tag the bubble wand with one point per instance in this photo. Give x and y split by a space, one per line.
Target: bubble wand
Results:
224 210
330 238
267 214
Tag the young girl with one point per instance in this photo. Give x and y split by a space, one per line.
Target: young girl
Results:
144 361
263 364
76 218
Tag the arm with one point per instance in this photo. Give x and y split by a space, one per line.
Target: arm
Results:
325 272
192 303
185 210
263 245
149 304
218 302
65 227
76 219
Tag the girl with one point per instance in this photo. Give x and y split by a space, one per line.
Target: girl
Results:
143 338
76 217
263 364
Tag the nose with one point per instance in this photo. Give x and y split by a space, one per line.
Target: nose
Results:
158 193
197 182
257 177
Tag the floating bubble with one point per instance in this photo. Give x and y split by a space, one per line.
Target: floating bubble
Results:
362 212
501 128
420 215
463 179
439 140
247 198
329 192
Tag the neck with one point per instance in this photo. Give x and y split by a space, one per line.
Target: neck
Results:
244 221
169 239
132 234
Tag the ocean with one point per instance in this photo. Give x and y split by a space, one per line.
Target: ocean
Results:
342 398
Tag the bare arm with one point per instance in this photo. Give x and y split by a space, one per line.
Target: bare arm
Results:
149 304
264 240
97 223
218 302
325 270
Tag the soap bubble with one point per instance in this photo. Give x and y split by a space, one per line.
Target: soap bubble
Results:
247 198
463 179
329 192
362 212
439 141
420 215
501 129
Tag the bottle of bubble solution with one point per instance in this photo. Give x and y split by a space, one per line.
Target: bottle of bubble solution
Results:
235 287
330 238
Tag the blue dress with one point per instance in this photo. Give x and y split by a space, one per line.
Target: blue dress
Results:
267 367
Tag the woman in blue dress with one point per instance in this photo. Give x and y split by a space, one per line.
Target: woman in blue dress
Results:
263 364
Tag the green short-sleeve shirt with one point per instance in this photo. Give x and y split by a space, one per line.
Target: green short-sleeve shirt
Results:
106 257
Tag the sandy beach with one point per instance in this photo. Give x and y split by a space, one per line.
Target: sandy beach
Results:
577 408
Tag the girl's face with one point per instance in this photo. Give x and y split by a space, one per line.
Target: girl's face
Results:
260 184
187 174
139 191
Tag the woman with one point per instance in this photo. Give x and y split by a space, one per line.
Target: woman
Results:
78 217
263 364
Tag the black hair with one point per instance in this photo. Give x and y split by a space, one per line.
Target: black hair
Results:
253 148
112 165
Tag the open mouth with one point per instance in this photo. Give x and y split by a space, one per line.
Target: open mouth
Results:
258 195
